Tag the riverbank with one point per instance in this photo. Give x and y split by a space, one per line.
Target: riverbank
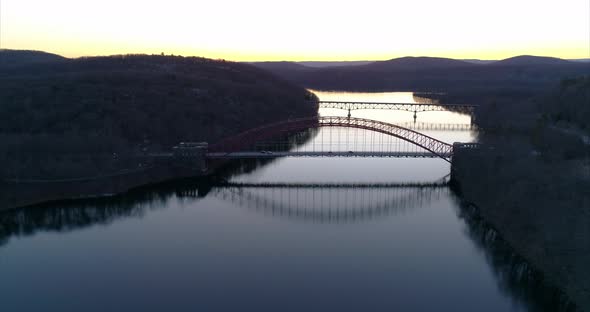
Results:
26 193
158 175
539 201
514 272
73 128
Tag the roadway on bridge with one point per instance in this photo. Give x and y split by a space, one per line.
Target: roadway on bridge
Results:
269 154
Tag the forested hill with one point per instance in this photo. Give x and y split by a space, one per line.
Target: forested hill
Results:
522 75
11 58
569 103
111 102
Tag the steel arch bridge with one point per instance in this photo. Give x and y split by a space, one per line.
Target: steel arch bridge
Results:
238 146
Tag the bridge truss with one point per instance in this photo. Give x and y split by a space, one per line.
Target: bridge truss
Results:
410 107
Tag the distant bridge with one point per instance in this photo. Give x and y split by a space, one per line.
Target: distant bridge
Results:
431 126
409 107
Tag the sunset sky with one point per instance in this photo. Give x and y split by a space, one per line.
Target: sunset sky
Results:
300 30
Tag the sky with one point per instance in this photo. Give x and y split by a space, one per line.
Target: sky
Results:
256 30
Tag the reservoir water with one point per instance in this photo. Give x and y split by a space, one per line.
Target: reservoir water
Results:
298 234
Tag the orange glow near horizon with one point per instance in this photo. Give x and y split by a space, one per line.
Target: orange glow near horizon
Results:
259 30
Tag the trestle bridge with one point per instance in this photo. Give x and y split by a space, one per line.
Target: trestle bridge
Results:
416 108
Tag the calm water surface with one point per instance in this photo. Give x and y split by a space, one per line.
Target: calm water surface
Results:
306 247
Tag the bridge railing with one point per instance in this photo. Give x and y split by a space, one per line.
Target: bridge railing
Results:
467 145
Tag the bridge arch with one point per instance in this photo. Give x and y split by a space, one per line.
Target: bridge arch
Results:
246 139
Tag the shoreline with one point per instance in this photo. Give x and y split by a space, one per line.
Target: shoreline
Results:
537 260
528 212
517 269
15 195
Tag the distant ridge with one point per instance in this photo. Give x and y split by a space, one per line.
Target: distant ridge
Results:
583 60
477 61
25 57
422 62
279 65
532 60
321 64
521 76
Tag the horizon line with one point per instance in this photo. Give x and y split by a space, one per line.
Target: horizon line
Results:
292 60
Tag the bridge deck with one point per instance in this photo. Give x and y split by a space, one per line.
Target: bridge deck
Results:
264 154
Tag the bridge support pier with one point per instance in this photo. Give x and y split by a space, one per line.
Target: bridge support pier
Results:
459 150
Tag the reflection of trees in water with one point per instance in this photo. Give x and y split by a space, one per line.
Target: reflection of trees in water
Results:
79 214
349 204
332 205
513 274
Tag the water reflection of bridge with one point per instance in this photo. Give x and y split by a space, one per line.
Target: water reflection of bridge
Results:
513 275
329 202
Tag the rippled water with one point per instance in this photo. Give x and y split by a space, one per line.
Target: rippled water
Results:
309 234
